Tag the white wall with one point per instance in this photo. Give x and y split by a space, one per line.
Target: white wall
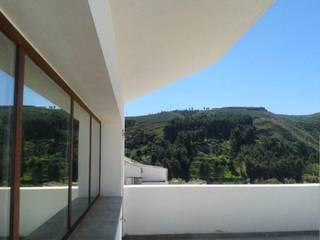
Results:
131 171
112 164
44 201
177 209
4 211
149 174
102 18
154 174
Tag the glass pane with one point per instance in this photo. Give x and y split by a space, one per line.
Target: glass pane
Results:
7 69
44 176
95 158
80 164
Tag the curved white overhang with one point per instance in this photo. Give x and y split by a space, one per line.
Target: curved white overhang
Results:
161 41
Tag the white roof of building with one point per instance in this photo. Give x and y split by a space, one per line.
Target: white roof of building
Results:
131 162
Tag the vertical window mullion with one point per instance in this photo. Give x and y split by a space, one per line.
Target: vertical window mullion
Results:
90 153
17 150
70 167
99 193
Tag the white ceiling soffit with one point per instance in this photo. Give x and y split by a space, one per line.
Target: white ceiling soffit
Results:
64 34
161 41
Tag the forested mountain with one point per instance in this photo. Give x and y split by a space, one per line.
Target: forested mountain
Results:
45 145
236 144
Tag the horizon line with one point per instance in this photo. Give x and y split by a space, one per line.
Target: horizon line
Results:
214 108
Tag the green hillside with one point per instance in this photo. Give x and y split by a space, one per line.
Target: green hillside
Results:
232 144
45 145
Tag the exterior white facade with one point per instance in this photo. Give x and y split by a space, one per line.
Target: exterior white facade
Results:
137 173
111 52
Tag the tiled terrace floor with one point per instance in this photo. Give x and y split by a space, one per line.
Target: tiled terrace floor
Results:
101 222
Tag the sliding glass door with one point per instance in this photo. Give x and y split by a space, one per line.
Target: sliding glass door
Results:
49 146
7 82
80 162
44 172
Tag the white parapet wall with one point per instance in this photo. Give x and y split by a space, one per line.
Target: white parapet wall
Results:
180 209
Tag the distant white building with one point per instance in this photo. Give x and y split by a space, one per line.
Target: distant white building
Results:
137 173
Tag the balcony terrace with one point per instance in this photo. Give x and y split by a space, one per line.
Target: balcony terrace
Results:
85 60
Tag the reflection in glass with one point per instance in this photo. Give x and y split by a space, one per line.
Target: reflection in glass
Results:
44 176
7 69
95 159
80 163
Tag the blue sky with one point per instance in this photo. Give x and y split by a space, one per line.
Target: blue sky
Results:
30 98
276 64
6 86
